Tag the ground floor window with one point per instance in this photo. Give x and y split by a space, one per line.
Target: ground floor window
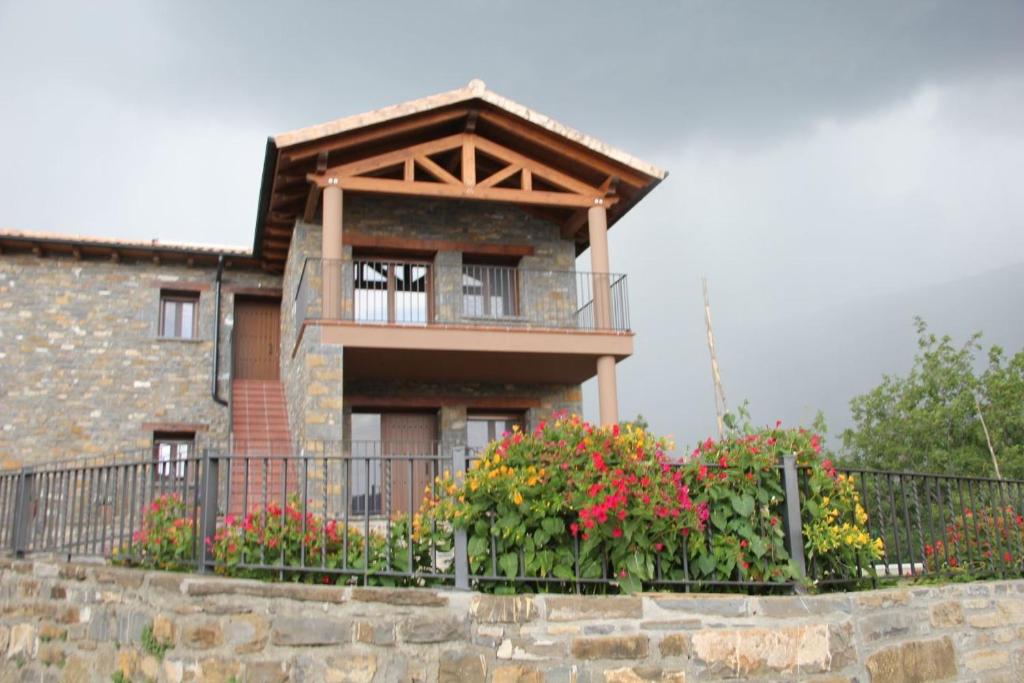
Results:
484 428
171 452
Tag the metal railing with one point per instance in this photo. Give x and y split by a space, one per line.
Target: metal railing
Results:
933 524
409 292
355 505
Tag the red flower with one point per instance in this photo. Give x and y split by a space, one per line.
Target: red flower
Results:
574 528
616 533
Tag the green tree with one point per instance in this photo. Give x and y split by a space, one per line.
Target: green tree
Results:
931 419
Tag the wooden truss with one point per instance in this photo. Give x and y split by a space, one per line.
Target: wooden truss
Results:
448 167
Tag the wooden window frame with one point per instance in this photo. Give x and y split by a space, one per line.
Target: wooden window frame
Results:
175 466
485 287
391 286
179 299
491 416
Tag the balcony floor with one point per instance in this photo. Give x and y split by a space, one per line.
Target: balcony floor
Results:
468 354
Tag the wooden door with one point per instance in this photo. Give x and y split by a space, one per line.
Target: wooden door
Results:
257 338
408 434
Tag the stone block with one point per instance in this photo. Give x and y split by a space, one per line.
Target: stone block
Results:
202 636
351 669
787 606
22 641
889 625
643 674
214 670
882 599
51 654
814 648
430 629
373 633
503 609
918 660
581 608
611 647
309 632
703 605
402 597
947 614
164 630
246 633
675 645
527 648
516 674
455 667
987 660
266 672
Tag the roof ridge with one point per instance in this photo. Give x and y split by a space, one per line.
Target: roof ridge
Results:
475 89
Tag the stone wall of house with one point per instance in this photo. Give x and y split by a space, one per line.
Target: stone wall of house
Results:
312 416
82 368
65 622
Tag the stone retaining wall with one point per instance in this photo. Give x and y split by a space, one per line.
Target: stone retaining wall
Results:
66 622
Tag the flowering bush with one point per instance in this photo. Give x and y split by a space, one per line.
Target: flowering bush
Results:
836 541
984 541
269 542
166 539
571 497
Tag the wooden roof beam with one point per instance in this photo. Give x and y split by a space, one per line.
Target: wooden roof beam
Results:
565 148
361 137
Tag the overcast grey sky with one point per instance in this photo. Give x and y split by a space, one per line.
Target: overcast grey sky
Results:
834 169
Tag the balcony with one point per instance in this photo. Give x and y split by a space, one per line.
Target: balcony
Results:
409 319
423 293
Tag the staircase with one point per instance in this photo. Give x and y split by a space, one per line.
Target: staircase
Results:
259 418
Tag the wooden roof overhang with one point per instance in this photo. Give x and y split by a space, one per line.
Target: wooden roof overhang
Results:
43 245
465 144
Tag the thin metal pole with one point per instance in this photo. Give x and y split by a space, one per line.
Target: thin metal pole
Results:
793 522
461 556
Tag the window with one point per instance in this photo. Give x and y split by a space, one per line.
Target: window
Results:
483 429
171 451
490 291
392 291
179 315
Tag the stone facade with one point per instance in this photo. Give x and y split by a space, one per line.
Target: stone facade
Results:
307 362
66 622
82 368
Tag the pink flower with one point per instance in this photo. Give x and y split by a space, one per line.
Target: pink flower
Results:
616 533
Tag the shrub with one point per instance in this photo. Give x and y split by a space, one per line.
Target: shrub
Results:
166 539
609 502
980 542
745 492
277 539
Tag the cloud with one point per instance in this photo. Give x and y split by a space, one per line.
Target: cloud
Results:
855 210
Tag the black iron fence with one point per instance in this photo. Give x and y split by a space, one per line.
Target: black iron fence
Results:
350 510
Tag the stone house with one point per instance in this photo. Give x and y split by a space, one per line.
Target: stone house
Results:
412 281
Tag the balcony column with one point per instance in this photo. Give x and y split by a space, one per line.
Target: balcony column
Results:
331 251
607 395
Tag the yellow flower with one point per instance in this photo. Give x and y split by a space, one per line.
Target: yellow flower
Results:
474 485
517 498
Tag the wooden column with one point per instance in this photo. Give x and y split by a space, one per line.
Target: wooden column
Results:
331 251
597 227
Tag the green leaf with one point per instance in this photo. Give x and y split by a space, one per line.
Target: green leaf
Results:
477 545
552 525
563 572
509 564
719 519
706 564
743 505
